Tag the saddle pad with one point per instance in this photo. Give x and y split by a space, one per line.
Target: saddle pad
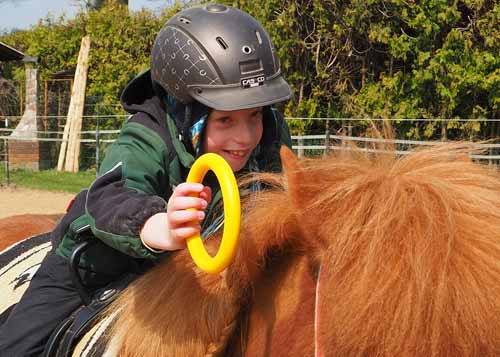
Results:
18 264
97 342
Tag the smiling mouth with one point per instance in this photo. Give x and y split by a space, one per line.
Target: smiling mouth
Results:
237 153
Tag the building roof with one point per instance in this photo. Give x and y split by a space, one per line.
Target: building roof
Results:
8 53
68 73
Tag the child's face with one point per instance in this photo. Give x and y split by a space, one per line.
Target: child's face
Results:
233 135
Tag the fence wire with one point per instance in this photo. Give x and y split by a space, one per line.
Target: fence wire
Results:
99 131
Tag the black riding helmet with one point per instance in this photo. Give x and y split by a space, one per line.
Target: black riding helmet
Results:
219 56
216 57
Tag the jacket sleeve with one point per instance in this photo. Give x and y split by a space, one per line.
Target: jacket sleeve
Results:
129 189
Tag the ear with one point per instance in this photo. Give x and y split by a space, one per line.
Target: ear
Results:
293 173
289 160
301 193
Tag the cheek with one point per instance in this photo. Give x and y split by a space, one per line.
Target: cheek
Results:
209 145
210 138
207 142
258 130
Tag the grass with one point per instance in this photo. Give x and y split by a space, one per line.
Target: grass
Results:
48 180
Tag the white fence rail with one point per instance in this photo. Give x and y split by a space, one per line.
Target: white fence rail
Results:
327 142
95 142
318 143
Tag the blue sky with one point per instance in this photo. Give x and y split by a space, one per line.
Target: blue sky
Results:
21 14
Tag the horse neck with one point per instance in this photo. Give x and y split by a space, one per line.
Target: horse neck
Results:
281 317
269 225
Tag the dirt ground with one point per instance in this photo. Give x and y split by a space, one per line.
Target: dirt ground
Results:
21 200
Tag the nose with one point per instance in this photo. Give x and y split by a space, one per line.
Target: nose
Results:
246 133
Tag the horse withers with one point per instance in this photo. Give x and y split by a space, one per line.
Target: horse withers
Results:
16 228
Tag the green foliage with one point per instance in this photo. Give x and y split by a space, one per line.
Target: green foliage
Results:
431 59
120 47
390 58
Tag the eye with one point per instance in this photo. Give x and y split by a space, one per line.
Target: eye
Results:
257 115
223 120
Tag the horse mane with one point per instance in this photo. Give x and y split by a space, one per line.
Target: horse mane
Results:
410 265
409 249
186 312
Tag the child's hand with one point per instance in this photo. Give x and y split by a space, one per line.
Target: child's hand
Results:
168 231
184 223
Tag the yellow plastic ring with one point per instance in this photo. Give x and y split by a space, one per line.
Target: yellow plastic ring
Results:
232 213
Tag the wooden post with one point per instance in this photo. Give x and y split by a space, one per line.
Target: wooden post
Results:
70 149
64 142
81 79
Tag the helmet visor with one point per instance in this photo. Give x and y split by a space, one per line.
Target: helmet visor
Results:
248 94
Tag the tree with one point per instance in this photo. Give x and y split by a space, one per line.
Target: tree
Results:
429 59
390 58
8 98
98 4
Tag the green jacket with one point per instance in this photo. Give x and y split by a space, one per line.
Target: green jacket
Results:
135 182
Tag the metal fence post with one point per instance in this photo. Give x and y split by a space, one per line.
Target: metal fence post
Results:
300 151
97 146
7 173
327 138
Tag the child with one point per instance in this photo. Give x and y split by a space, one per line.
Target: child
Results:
214 76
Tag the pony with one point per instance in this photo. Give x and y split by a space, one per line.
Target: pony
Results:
354 254
15 228
22 248
351 255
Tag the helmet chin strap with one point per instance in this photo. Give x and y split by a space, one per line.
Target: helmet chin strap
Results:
186 137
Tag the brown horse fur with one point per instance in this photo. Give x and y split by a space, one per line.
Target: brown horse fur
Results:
203 315
409 250
15 228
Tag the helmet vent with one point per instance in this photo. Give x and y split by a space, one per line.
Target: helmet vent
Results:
246 49
216 8
184 20
257 34
222 43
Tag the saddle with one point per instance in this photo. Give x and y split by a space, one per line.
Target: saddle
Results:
64 338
